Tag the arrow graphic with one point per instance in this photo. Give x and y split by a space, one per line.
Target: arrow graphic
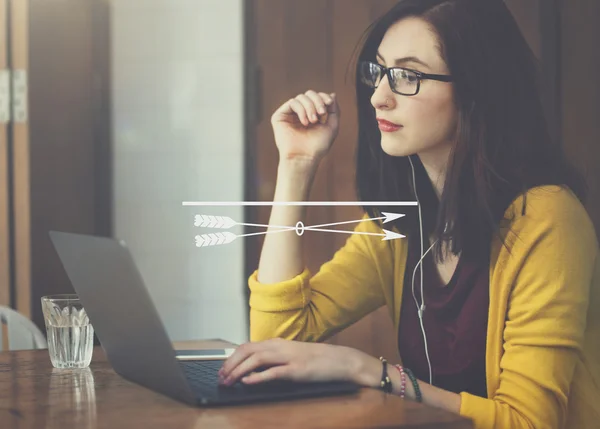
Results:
387 216
388 235
221 222
221 238
226 237
224 222
215 239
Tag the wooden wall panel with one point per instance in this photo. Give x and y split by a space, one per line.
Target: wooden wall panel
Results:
293 60
59 148
4 166
20 161
69 60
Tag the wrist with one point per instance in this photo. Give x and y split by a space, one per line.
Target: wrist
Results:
365 370
294 180
298 166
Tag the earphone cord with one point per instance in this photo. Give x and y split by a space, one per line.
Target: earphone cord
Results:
421 308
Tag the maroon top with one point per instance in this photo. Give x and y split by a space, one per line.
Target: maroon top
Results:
455 321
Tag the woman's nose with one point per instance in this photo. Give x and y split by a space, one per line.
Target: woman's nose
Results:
383 97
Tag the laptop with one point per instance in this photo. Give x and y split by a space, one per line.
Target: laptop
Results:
112 290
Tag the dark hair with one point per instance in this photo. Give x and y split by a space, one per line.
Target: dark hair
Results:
503 144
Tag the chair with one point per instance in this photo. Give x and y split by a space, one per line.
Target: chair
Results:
23 334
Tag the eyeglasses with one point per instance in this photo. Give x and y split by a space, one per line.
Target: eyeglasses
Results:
402 81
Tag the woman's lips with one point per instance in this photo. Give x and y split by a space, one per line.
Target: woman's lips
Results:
387 126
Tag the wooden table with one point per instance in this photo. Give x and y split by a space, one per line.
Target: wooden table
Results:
35 395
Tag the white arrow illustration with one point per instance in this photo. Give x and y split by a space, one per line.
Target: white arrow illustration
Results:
220 238
221 222
388 235
215 239
224 222
387 216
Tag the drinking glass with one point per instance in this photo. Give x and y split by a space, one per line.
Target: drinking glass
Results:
70 334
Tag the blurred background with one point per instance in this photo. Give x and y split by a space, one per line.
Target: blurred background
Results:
114 112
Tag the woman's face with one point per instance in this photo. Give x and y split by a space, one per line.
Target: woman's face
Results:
427 120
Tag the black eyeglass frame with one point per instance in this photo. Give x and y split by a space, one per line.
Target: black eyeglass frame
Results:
420 76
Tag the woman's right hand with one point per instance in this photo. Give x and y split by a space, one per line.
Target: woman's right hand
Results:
306 126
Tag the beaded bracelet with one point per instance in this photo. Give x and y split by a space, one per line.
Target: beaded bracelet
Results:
386 382
415 384
402 380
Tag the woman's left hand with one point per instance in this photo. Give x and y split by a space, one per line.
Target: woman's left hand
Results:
297 361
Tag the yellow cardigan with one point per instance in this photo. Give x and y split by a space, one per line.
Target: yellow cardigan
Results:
543 337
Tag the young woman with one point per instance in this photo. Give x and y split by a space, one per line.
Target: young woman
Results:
494 290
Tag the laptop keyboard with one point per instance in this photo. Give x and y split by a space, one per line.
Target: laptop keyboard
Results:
202 372
206 373
203 375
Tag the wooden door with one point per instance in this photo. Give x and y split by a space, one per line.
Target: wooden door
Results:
55 151
69 93
20 166
4 157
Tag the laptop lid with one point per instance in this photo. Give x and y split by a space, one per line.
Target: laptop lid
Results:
125 319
